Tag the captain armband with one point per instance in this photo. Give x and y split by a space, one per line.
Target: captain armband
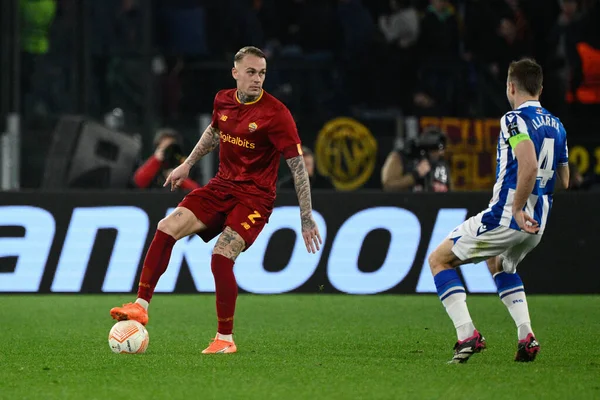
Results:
516 139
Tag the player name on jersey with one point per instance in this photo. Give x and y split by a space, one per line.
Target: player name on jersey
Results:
545 120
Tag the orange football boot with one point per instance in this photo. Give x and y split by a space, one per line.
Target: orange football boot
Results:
130 311
218 346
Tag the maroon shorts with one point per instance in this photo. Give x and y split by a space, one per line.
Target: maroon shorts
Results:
218 208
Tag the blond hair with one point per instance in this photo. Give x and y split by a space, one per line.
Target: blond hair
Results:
248 50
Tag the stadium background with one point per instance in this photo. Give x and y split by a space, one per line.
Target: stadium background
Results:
86 84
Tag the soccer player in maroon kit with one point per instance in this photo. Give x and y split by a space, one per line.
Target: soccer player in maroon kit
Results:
253 129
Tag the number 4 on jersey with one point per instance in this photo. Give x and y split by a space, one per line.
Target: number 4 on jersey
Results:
546 162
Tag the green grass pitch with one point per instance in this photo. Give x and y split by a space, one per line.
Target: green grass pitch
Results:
296 347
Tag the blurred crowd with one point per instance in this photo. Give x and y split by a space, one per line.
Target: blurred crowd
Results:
165 59
424 57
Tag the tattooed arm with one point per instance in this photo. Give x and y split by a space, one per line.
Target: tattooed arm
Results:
207 143
310 231
302 184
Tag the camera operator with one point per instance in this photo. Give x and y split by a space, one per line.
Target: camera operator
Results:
419 166
168 154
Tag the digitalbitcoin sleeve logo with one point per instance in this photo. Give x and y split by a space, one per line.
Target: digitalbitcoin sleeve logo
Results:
346 153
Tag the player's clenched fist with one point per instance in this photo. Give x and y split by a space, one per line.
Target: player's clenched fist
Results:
310 232
177 176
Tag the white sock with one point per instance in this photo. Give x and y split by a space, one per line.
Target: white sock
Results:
519 311
227 338
465 331
524 330
456 307
143 303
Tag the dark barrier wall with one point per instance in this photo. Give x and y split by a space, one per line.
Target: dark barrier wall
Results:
374 243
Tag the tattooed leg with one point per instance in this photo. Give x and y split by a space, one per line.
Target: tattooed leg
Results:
229 245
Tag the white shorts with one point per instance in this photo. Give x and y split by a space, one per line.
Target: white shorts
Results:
474 243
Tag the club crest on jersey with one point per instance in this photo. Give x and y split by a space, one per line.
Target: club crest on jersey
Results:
252 126
513 128
223 117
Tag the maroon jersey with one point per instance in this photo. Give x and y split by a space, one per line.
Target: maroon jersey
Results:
253 135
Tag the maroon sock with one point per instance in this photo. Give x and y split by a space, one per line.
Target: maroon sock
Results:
155 264
226 290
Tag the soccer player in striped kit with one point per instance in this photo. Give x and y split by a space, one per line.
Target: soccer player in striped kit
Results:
532 163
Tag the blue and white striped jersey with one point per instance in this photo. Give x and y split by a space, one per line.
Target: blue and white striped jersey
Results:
550 140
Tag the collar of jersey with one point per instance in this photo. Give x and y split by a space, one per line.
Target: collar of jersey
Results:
528 103
251 102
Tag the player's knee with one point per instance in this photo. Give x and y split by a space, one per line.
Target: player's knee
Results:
172 227
230 244
433 260
441 259
166 226
230 252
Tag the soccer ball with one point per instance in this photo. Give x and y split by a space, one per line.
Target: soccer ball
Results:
128 337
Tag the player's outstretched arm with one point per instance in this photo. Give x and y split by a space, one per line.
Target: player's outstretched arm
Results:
207 143
310 231
526 177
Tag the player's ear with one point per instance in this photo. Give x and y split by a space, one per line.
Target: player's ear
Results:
234 73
